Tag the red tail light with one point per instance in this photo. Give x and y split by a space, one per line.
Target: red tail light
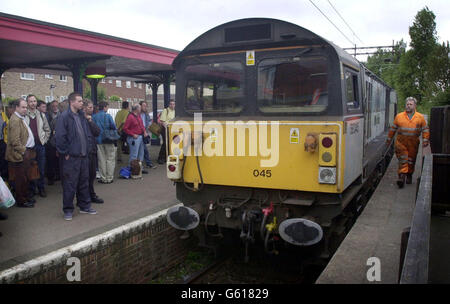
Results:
172 168
327 142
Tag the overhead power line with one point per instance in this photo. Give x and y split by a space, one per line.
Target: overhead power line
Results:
344 21
331 22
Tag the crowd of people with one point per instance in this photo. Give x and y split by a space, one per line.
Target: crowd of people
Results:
74 142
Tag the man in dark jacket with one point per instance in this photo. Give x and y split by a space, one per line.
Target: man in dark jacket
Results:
88 108
72 143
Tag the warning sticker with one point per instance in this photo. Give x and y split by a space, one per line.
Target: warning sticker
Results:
294 136
213 135
250 57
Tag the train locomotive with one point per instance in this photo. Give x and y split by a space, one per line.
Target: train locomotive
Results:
279 134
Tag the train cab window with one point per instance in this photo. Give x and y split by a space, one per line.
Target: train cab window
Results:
293 85
351 90
215 87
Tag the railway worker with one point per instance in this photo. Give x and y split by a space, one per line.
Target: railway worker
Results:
408 125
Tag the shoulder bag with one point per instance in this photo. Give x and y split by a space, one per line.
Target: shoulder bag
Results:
109 135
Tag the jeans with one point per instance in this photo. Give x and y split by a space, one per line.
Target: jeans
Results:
147 159
162 151
136 148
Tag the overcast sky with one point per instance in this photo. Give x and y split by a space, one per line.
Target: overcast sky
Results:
175 23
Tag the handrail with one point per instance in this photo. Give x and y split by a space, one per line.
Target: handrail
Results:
415 266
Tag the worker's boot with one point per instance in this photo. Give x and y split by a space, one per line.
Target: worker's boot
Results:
401 180
409 178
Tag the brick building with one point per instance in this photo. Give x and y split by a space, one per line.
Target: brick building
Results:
20 84
52 86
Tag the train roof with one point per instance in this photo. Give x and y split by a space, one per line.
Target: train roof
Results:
257 33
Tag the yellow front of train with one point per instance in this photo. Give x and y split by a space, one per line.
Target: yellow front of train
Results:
287 155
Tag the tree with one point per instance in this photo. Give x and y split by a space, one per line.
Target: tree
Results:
101 93
114 98
385 63
424 69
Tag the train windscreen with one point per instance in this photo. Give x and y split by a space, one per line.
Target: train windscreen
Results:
215 87
293 85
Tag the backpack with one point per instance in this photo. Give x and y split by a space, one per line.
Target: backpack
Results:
125 172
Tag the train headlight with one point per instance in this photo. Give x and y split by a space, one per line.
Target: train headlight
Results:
327 175
327 157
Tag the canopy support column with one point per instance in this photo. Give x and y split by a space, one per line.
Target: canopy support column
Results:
94 85
154 85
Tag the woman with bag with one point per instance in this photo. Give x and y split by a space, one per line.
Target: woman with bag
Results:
106 143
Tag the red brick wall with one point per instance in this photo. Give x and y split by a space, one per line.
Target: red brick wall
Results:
134 257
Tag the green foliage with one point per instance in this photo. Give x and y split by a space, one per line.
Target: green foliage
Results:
385 63
101 94
423 71
6 100
114 98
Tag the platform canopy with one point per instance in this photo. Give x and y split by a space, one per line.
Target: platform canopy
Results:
28 43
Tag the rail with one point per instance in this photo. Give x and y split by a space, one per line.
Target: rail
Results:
415 265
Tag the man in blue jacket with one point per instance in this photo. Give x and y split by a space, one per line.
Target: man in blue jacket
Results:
106 150
73 137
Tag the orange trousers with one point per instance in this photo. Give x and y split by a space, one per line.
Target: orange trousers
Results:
406 148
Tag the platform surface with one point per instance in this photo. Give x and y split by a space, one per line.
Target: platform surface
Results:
32 232
376 233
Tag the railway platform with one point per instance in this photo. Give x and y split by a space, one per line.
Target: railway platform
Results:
29 233
375 240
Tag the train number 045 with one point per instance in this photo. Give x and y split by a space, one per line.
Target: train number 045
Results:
263 173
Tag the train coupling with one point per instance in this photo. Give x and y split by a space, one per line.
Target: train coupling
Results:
249 218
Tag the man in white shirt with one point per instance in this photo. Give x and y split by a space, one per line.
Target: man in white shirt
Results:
41 131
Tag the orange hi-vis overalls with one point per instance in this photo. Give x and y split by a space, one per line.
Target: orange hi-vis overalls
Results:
407 142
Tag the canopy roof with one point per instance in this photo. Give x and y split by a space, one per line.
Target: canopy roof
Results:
28 43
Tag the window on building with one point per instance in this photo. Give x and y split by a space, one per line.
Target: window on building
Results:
103 80
24 96
135 84
48 76
27 76
62 98
140 86
48 99
118 83
110 81
135 100
128 84
63 78
129 99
